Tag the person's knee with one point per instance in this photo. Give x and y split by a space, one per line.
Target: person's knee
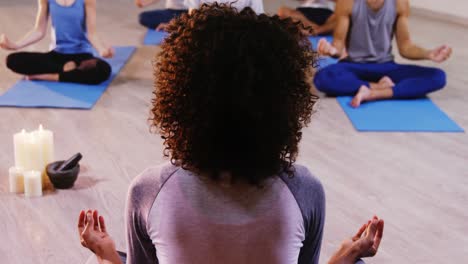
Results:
438 78
102 72
94 71
12 62
143 19
323 81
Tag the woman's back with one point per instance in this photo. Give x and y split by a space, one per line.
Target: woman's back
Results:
185 218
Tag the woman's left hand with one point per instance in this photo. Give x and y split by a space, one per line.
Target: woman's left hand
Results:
5 43
94 236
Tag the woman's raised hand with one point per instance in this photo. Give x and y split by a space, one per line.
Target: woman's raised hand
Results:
93 235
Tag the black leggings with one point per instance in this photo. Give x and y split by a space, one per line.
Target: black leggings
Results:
89 69
316 15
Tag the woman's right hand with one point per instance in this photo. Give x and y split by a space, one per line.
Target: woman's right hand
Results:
5 43
93 235
364 244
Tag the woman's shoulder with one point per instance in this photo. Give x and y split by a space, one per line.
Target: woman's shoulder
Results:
302 177
152 179
306 189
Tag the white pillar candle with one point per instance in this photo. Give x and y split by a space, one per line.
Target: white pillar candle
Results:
36 155
22 157
46 140
16 180
32 183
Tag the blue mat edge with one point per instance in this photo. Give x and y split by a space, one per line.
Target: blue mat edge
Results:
458 130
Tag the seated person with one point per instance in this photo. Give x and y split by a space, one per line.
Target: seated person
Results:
315 14
158 19
256 5
71 58
230 104
365 30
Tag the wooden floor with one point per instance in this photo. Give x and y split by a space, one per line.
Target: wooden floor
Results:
418 182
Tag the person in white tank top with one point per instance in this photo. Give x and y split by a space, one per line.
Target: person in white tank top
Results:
317 15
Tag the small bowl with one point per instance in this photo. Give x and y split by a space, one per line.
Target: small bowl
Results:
62 179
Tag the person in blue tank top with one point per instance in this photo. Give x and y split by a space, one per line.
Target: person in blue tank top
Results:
73 38
363 40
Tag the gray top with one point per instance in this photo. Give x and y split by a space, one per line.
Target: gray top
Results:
371 33
174 216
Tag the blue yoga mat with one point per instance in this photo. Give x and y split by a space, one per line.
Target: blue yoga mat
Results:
322 61
315 39
418 115
42 94
154 37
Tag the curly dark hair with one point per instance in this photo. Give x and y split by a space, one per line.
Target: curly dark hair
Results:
232 92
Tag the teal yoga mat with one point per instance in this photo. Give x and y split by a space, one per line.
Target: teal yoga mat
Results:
417 115
42 94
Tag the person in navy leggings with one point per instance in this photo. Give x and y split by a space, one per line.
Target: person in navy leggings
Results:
367 71
158 19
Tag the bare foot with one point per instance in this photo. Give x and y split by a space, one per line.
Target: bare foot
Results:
69 66
386 82
362 95
44 77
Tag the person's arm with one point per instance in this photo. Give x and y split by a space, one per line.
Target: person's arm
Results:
338 47
329 25
103 49
33 36
143 3
406 47
93 235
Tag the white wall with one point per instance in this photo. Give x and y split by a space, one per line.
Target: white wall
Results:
458 8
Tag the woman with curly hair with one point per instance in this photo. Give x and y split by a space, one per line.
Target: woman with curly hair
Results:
232 93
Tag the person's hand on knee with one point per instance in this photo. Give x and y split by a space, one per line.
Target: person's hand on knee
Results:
5 43
325 48
364 244
440 54
93 235
107 52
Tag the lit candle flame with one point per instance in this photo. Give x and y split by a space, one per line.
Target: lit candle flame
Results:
40 127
